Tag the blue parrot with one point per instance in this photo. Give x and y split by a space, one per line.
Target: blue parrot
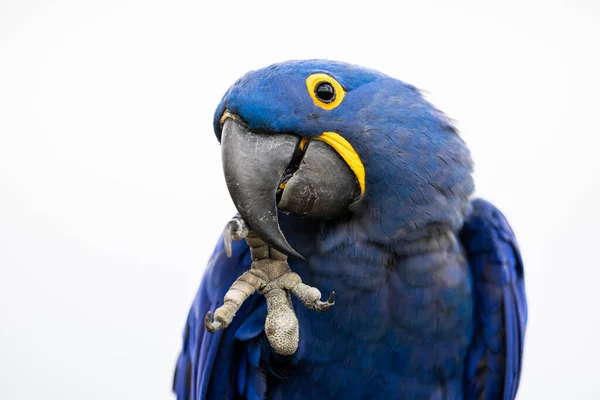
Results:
368 189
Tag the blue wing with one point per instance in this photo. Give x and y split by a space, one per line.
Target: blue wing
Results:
224 364
493 364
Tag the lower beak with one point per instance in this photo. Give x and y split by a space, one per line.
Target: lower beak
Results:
264 169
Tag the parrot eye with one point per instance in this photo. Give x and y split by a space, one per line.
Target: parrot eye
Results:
326 92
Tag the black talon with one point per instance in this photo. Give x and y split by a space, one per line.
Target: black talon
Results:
235 229
211 326
331 298
326 306
227 239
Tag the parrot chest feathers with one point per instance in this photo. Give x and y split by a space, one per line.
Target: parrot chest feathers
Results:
400 315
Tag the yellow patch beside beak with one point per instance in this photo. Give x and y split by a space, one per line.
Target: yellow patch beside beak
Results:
346 151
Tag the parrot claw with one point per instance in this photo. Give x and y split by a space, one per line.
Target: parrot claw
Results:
323 306
271 276
211 326
235 229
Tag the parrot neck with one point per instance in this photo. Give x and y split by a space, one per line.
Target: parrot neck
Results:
372 227
393 219
345 250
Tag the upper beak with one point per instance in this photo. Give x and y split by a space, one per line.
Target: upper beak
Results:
264 169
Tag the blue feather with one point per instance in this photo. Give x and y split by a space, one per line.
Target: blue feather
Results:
253 324
495 357
242 377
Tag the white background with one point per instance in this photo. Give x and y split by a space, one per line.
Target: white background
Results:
111 190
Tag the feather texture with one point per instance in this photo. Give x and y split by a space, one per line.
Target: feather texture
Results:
493 364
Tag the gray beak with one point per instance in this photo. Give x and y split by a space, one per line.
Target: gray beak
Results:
267 170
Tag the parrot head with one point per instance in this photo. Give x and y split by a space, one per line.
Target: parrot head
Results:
324 139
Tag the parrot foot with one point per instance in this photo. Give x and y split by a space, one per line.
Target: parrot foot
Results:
235 229
326 306
311 297
211 326
243 287
271 276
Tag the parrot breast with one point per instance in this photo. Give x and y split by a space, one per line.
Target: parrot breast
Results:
402 322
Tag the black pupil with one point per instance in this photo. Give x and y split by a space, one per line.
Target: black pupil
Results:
325 92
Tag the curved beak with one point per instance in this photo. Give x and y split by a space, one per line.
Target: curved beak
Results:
254 164
264 169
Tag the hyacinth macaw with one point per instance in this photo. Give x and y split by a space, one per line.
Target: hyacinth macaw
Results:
377 190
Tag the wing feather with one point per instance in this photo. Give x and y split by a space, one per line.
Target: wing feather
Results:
493 363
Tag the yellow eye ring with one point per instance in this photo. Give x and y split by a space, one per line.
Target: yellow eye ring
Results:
325 91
